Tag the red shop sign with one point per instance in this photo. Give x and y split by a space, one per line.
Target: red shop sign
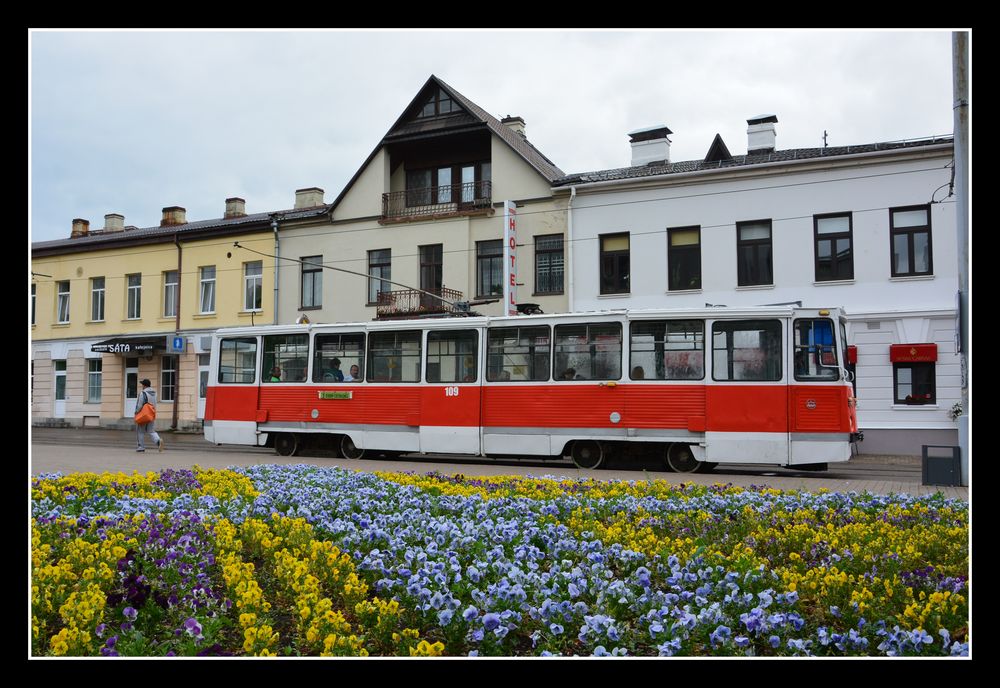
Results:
913 353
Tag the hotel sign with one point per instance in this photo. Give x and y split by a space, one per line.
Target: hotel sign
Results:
510 257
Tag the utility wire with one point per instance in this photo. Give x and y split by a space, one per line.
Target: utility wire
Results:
565 241
521 214
350 272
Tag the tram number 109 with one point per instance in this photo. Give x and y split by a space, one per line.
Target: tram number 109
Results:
451 391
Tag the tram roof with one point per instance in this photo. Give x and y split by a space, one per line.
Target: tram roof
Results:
513 320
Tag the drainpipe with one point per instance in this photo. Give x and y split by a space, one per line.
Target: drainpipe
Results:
277 262
177 329
568 261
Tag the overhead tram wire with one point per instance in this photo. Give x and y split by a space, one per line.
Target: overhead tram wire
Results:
461 307
470 250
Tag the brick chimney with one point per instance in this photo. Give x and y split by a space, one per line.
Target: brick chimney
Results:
650 145
761 135
174 215
308 198
515 124
113 222
236 207
80 228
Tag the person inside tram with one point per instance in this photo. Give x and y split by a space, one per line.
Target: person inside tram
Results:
275 374
354 374
334 374
569 374
638 373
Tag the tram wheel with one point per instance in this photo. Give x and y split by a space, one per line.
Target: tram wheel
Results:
349 450
286 444
587 454
680 459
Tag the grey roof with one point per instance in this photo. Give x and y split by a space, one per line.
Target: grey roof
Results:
661 168
97 238
520 144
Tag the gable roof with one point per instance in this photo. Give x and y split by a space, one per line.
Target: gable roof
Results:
519 143
718 150
471 116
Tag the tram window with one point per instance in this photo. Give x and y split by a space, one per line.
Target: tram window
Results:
746 350
394 356
518 354
590 351
815 351
343 353
286 357
667 350
451 356
237 360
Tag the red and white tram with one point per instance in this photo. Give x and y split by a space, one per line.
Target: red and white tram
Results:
762 385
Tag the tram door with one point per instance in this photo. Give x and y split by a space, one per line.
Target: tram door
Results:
819 411
747 394
449 413
203 365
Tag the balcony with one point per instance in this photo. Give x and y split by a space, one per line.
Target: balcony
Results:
409 303
437 202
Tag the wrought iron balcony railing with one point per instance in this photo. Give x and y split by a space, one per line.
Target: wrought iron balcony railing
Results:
411 302
437 200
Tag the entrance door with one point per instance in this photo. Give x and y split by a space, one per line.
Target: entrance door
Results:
203 362
60 397
131 386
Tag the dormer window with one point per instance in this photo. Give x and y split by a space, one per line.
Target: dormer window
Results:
440 103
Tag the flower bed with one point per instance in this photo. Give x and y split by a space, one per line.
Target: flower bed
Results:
300 560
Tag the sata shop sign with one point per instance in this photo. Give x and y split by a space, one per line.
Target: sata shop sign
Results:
128 346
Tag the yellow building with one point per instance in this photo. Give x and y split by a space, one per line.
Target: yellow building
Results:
113 306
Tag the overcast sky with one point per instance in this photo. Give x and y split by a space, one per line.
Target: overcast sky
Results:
130 122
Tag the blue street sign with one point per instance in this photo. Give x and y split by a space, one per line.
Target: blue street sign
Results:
178 344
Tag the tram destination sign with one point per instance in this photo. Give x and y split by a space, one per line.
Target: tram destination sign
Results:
336 395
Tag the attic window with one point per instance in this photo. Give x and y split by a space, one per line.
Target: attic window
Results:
440 103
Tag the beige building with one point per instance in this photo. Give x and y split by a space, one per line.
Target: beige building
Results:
425 210
112 306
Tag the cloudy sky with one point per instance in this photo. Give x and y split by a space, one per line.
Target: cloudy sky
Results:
130 122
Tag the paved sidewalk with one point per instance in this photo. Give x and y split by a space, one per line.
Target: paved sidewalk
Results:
99 450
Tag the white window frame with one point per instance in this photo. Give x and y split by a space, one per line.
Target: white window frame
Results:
169 392
62 302
97 299
133 303
250 283
311 282
170 293
207 286
94 379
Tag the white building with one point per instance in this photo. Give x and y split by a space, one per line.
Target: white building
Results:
869 228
